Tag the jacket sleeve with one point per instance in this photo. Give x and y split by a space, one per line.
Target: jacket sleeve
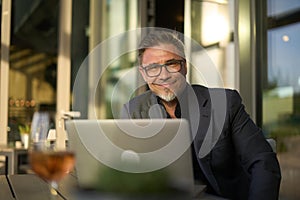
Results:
255 153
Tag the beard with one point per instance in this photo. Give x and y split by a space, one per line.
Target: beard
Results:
168 93
167 97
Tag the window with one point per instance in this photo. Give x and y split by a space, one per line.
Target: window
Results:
211 24
281 90
105 65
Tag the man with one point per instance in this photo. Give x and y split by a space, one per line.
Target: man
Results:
240 164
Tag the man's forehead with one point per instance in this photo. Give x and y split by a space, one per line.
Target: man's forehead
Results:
160 53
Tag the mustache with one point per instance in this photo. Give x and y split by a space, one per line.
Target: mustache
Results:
164 82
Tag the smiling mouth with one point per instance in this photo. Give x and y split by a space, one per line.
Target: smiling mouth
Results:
165 85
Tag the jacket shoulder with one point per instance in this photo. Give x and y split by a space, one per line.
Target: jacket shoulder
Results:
206 90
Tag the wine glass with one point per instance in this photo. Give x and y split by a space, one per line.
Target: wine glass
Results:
48 162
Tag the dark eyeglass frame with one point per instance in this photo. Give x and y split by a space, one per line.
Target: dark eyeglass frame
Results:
166 65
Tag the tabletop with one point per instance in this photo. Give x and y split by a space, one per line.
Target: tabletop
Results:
30 186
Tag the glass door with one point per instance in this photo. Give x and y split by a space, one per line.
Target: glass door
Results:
35 65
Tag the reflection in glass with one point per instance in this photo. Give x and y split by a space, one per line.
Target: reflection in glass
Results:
281 94
33 59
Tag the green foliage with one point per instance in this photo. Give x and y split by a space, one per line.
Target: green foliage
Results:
114 181
282 132
24 129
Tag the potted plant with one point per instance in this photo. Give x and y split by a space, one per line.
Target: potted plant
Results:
24 132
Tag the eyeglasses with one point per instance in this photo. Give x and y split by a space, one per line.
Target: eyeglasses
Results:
172 66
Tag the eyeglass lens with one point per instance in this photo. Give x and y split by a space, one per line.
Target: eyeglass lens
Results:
153 70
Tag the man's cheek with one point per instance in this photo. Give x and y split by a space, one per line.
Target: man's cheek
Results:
150 80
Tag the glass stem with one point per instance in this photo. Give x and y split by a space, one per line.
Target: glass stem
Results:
53 187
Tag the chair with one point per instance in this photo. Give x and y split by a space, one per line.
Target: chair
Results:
272 142
2 165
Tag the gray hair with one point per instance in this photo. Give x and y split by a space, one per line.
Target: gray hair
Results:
157 38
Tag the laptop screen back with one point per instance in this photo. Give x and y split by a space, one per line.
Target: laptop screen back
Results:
132 146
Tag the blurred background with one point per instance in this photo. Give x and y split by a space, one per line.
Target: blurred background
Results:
254 45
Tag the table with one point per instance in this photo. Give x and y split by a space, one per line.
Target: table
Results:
12 158
30 186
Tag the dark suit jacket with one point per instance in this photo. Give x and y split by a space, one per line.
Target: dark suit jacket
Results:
240 163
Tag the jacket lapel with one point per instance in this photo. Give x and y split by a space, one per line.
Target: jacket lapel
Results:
199 107
202 143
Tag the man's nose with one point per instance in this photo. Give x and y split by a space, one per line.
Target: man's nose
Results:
164 74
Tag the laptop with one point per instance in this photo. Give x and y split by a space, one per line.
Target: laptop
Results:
132 146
